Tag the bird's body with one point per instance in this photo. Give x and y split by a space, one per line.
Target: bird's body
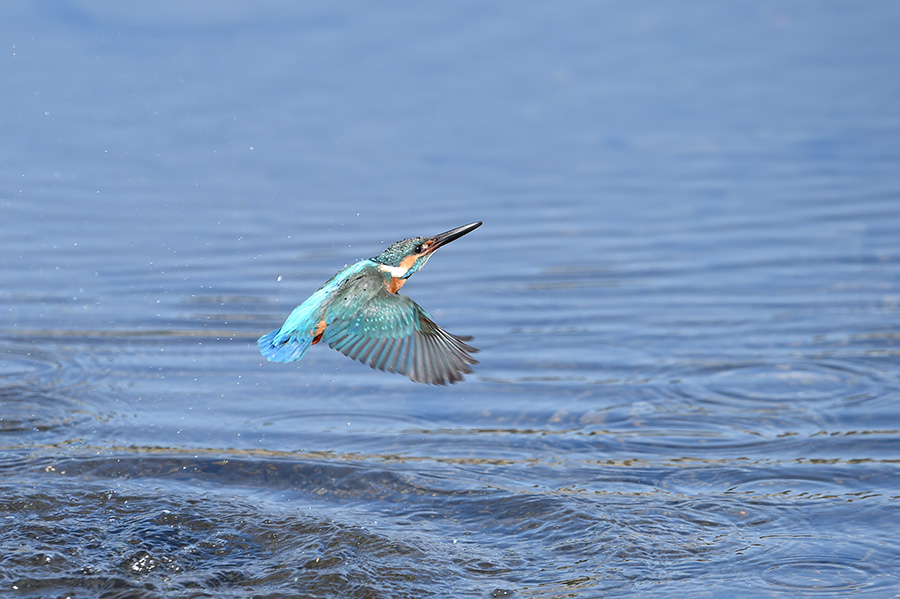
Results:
359 313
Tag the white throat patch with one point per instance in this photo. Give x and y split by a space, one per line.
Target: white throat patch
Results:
395 271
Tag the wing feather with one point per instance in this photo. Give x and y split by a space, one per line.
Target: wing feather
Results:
391 332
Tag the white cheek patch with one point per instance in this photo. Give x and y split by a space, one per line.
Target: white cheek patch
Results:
395 271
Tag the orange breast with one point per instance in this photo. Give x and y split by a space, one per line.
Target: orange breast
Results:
394 284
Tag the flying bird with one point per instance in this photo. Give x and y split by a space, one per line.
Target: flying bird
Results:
359 313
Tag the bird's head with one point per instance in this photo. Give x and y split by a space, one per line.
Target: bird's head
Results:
405 257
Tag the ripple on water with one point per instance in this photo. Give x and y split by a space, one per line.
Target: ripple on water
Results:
782 384
821 576
36 390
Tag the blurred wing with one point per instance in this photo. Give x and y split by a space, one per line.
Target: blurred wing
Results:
391 332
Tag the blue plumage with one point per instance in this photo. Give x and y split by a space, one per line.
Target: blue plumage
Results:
359 313
284 347
297 334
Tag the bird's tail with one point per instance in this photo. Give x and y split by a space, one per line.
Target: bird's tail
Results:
283 347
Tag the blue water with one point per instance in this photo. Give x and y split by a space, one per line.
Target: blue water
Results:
686 294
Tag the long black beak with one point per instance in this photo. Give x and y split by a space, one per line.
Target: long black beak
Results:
445 238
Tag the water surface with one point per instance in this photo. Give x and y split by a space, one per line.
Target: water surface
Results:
685 294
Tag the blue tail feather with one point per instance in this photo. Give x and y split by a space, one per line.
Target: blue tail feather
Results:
283 347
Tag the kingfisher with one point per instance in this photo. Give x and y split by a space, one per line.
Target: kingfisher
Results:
359 313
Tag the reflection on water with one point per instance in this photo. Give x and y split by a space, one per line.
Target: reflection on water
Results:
685 295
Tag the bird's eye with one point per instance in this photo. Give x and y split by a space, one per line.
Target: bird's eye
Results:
419 249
